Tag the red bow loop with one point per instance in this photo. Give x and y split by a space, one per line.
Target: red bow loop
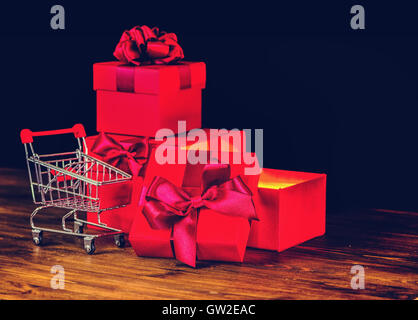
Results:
169 206
129 157
143 45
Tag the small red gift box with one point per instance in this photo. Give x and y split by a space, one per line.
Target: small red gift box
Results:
140 100
291 209
219 236
114 149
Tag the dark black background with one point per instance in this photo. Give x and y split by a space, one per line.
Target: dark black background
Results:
330 99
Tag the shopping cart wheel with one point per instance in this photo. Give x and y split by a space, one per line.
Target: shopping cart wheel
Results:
89 245
78 227
120 240
37 237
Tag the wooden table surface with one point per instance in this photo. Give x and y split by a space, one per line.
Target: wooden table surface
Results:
384 242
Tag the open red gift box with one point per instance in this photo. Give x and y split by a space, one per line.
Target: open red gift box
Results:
291 209
140 100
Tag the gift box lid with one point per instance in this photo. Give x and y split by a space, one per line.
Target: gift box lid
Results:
148 79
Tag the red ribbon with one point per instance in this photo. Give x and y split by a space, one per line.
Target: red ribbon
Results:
169 206
129 157
143 45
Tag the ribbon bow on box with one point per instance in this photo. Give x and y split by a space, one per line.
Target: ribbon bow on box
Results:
129 157
169 206
143 45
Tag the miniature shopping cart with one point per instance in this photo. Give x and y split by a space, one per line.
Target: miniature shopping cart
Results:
77 182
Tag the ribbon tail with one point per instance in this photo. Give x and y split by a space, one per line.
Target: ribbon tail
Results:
184 238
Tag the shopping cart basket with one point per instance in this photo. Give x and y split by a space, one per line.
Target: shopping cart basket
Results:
77 182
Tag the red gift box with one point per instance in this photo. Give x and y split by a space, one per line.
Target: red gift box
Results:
291 209
120 218
140 100
218 237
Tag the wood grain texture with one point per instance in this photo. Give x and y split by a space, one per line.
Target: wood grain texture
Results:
384 242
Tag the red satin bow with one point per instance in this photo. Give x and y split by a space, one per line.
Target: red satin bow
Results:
129 157
168 206
142 45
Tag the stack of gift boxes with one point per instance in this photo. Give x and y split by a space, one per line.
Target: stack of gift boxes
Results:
183 210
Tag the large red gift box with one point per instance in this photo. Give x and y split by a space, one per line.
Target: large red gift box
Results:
140 100
219 237
120 218
291 209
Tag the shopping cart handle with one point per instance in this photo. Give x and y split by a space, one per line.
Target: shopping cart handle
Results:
27 135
